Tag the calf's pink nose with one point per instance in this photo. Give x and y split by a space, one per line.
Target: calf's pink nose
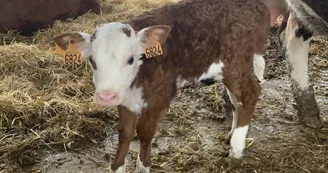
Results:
107 96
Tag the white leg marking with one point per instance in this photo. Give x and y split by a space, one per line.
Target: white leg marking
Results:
140 167
259 66
237 142
121 169
297 54
234 113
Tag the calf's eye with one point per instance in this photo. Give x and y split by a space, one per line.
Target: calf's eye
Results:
130 61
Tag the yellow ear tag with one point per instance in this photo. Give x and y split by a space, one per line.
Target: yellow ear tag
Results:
70 55
154 50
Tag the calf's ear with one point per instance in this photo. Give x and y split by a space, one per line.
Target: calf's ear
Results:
80 41
150 35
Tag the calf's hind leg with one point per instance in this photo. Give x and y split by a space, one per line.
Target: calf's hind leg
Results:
229 106
244 91
230 100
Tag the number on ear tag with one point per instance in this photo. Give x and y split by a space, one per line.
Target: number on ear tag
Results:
153 51
70 55
69 58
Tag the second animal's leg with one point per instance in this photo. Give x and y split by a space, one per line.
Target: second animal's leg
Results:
296 42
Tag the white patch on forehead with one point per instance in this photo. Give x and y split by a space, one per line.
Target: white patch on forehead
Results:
213 71
112 42
134 100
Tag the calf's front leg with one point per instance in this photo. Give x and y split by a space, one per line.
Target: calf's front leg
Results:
146 128
126 129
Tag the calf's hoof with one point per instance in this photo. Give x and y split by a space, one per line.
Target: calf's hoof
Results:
120 169
140 168
236 154
234 162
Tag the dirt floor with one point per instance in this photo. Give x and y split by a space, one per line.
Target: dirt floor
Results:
48 122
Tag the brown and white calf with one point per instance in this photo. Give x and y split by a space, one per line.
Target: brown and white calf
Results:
200 39
300 19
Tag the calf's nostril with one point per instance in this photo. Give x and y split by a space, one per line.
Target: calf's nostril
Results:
112 97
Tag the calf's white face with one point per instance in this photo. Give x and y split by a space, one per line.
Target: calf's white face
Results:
115 56
113 52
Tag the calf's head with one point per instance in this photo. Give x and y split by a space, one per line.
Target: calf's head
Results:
113 52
